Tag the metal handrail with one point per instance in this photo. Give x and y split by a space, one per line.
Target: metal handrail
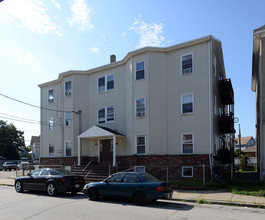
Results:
87 166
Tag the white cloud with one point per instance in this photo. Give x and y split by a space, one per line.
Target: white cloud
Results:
150 34
95 50
80 18
29 14
57 5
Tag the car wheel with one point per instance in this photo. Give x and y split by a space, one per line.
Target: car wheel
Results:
18 187
93 194
139 198
51 189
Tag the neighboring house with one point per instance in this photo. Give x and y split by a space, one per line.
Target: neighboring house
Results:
252 154
257 86
35 144
156 107
246 142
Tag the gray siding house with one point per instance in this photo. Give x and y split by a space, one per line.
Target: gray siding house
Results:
156 106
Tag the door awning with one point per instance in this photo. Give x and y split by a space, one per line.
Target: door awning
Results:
99 131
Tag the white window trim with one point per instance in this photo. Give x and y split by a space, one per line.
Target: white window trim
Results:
106 82
193 106
135 168
187 133
51 119
50 100
106 115
145 140
184 167
181 64
135 108
68 93
139 61
65 148
68 126
49 150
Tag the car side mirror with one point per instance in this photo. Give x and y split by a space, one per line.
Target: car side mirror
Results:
29 174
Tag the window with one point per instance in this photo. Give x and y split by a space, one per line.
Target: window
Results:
115 178
140 141
51 124
140 169
186 64
131 178
110 114
50 95
68 119
187 143
45 173
187 171
214 66
106 83
187 103
140 108
68 88
139 73
68 149
106 115
51 150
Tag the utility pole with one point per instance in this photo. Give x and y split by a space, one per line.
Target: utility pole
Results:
239 141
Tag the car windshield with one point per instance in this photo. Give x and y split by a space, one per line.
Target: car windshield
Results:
148 177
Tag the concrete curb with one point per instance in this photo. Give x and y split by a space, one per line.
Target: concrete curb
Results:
210 202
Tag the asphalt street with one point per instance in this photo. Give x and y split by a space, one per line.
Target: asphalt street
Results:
35 205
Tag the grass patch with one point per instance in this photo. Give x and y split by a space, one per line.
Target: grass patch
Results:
185 182
202 201
250 189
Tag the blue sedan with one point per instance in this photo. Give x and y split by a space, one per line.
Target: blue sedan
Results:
140 187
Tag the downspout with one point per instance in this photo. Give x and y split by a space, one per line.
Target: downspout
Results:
210 103
261 114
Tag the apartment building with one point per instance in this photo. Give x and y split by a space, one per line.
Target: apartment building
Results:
163 106
257 86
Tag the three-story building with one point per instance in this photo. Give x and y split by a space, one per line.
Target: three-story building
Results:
157 106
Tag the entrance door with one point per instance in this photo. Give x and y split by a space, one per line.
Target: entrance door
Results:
106 150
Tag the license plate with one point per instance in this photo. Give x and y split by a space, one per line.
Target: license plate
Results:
77 186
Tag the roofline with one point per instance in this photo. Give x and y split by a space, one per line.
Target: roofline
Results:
129 55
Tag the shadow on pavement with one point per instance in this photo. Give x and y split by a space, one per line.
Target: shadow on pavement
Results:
160 204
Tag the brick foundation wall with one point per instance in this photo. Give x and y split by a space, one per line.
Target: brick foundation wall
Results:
161 166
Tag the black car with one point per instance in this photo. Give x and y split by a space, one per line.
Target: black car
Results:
51 180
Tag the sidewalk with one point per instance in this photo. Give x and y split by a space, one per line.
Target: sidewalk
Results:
220 197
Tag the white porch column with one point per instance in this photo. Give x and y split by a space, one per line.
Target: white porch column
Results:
79 152
114 150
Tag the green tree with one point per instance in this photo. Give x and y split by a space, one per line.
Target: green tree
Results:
11 140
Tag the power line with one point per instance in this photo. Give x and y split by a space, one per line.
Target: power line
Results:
14 118
30 120
35 106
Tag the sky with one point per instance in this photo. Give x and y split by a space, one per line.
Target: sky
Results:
39 39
